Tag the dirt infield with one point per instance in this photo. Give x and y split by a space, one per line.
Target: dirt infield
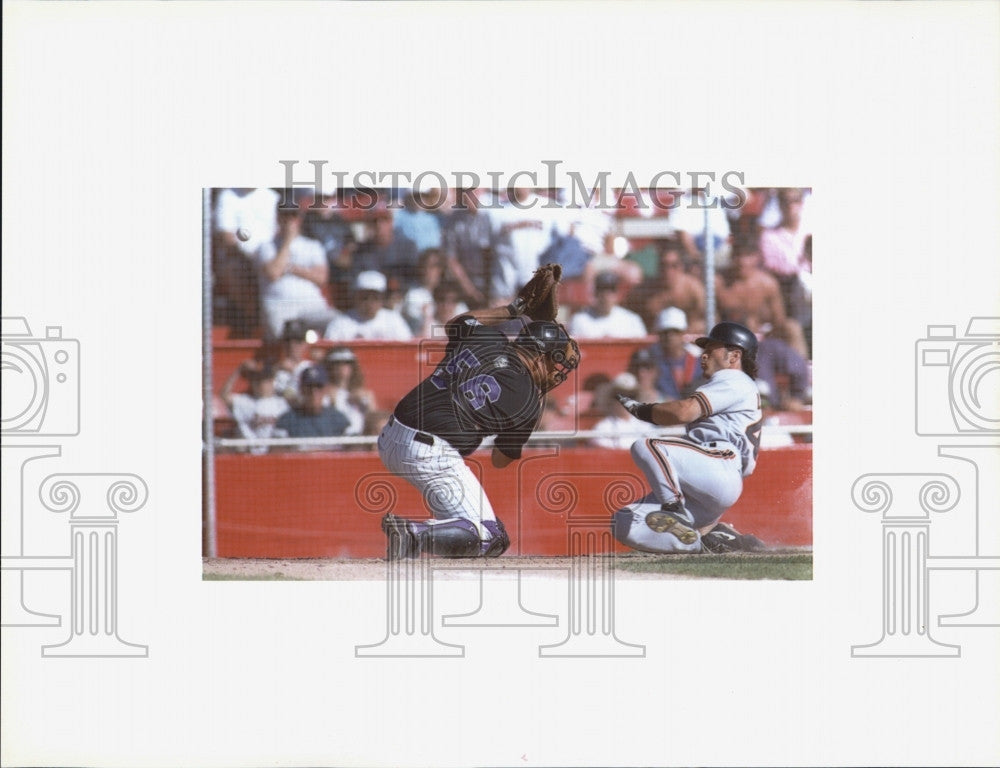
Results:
628 566
354 570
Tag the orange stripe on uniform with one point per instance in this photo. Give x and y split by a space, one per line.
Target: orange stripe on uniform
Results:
706 407
668 471
715 453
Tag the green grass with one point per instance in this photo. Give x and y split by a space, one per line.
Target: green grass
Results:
796 566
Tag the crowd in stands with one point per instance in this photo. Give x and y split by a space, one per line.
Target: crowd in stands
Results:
342 271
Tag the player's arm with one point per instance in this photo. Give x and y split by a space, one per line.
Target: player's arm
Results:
666 414
509 443
317 273
500 459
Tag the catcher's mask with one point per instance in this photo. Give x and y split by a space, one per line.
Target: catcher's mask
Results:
551 341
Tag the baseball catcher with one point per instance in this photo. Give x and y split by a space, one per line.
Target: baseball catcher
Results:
486 384
696 478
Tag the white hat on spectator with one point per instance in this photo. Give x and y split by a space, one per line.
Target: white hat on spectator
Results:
371 280
672 319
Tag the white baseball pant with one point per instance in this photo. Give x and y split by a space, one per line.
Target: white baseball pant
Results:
430 464
705 479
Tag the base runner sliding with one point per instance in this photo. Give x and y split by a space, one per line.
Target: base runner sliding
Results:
696 478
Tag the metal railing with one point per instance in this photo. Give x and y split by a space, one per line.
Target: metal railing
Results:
538 438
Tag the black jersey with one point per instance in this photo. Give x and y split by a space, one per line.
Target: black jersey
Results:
481 388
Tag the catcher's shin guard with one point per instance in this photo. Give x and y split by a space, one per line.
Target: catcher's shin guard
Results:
457 537
400 540
411 538
500 541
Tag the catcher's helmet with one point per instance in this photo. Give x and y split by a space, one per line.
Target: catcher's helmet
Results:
551 340
732 335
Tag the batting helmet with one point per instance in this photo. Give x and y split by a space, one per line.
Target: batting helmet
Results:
552 341
732 335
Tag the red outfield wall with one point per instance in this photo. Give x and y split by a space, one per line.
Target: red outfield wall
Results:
324 504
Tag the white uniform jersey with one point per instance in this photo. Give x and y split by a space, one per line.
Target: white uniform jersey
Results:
730 406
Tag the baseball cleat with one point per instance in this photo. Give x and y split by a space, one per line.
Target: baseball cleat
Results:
724 538
401 542
673 519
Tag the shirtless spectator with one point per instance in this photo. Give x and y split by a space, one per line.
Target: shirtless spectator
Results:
672 287
748 294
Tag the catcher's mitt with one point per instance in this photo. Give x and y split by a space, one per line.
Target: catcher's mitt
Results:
539 298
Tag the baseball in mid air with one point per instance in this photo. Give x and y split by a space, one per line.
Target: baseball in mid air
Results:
243 234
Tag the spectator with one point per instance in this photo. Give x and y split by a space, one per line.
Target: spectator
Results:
679 368
312 418
656 206
467 241
328 228
293 273
447 304
523 229
605 319
414 222
394 294
689 217
644 367
806 278
256 413
418 302
369 319
619 428
747 294
672 287
346 391
783 251
252 213
385 252
292 358
784 377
